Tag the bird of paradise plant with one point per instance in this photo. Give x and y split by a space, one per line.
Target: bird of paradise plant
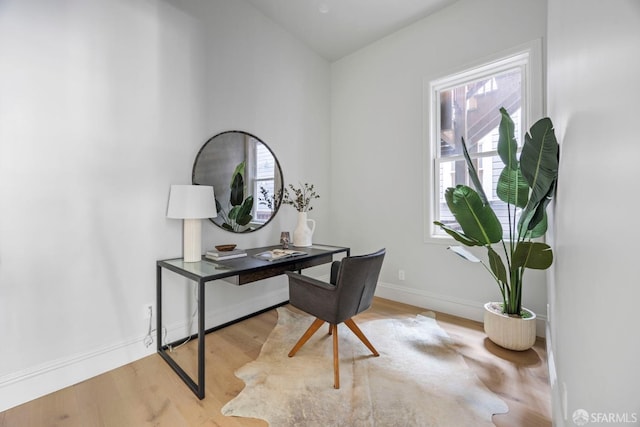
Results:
238 216
526 185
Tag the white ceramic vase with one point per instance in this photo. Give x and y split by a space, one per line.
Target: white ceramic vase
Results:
302 234
512 333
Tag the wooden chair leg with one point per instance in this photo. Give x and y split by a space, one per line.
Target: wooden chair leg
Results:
352 325
305 337
333 330
336 358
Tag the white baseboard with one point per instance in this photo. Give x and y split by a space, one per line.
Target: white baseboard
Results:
23 386
28 384
467 309
559 414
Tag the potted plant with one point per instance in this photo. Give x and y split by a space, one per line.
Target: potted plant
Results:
526 185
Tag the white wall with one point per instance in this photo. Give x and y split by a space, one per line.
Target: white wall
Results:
103 105
593 90
377 149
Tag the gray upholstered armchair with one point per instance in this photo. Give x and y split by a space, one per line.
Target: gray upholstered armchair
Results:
350 291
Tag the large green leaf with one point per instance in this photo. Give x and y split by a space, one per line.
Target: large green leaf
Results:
457 235
233 213
507 145
239 169
533 215
237 190
478 221
539 165
540 228
534 255
243 216
542 206
497 266
462 252
512 187
473 174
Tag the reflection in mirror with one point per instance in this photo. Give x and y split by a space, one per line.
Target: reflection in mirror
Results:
246 179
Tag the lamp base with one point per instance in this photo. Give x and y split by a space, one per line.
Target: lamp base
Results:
192 240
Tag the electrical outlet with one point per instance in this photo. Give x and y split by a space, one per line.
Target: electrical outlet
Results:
401 274
147 311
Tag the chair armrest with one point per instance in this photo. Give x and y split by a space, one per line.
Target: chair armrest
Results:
299 279
314 296
335 268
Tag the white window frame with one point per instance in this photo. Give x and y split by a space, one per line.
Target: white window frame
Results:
253 182
529 58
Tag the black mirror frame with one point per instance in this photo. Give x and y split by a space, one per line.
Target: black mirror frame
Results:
278 192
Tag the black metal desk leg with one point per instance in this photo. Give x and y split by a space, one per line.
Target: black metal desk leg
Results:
198 389
201 314
158 307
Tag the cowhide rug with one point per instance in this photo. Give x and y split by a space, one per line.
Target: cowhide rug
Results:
418 380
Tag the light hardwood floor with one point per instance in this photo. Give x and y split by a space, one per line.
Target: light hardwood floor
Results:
147 392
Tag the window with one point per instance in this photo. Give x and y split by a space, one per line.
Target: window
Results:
262 181
466 105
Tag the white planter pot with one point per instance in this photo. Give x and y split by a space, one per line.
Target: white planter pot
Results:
512 333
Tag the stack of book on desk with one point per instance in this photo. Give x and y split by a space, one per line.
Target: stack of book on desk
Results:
222 255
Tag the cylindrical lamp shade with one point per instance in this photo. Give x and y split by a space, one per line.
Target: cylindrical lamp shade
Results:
191 203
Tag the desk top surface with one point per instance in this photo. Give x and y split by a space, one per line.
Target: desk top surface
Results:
211 270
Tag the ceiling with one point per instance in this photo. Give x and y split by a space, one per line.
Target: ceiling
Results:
335 28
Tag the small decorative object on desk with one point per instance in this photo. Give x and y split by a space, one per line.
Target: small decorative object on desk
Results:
302 234
226 254
301 200
284 239
277 254
225 248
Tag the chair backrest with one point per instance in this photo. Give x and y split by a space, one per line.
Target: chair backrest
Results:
356 281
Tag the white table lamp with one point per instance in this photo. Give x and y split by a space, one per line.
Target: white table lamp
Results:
192 203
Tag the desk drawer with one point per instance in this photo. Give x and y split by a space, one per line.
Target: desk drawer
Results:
277 269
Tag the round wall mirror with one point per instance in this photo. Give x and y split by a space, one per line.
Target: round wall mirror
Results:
246 179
